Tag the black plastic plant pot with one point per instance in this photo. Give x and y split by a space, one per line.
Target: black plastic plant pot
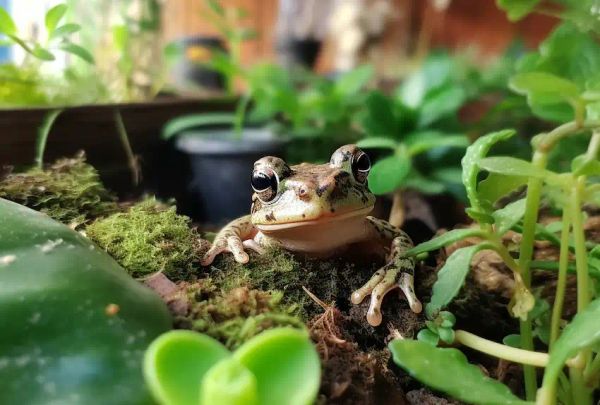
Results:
191 68
301 52
220 163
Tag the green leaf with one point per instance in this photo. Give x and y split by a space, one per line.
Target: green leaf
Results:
377 143
191 121
496 186
380 119
473 155
388 174
350 83
448 370
426 185
448 319
441 103
286 366
544 88
512 167
229 382
517 9
452 275
581 166
54 15
422 141
444 239
78 51
583 332
42 54
65 31
446 335
7 25
429 337
42 135
513 340
176 362
216 7
507 217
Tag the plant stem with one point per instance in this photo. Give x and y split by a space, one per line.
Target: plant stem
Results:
561 284
397 211
42 136
240 116
581 393
583 294
132 161
593 370
501 351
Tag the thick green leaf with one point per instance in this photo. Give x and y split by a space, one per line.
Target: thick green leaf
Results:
7 25
441 103
286 366
429 337
187 122
422 141
507 217
176 362
388 174
353 81
517 9
583 167
581 333
229 383
473 155
54 15
78 51
443 240
544 88
380 119
42 54
434 73
448 370
496 186
377 143
65 30
512 167
452 275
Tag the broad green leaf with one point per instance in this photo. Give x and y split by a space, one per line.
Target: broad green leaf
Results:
512 167
583 167
452 275
54 15
429 337
517 9
65 30
42 54
447 174
473 155
508 216
229 382
78 51
440 103
448 370
513 340
388 174
444 239
544 88
7 25
496 186
191 121
435 71
426 185
353 81
581 333
176 362
380 119
377 143
422 141
446 335
286 366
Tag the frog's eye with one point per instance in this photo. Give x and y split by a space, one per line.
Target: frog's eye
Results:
361 164
264 183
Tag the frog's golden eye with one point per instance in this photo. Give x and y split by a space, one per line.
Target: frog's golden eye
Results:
361 165
264 183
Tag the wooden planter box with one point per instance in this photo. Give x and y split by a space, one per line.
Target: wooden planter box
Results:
92 128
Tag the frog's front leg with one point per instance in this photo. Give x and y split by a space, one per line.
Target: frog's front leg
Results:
234 237
397 273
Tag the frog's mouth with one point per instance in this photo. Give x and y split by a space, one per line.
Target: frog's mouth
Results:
318 221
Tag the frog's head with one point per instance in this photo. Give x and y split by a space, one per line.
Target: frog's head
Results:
306 194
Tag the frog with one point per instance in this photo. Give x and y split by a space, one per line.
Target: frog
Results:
321 210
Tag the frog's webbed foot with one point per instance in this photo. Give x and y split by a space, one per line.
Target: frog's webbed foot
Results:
232 238
397 274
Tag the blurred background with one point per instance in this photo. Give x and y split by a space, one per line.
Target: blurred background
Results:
179 97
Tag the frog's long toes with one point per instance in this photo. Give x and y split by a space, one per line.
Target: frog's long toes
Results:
374 313
253 245
236 247
359 295
407 285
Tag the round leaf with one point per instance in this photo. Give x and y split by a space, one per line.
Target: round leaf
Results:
229 383
388 174
176 362
429 337
286 366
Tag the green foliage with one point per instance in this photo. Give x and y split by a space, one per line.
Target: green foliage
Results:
278 366
69 190
438 329
67 310
148 238
447 370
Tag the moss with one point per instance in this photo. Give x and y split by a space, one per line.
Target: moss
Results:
149 237
69 191
237 315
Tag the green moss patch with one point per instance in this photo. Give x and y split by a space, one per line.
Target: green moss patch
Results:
149 237
69 191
